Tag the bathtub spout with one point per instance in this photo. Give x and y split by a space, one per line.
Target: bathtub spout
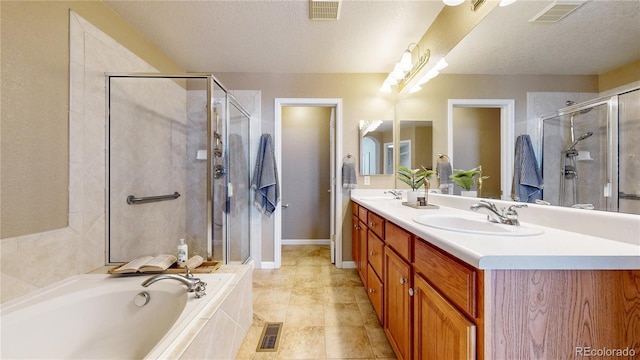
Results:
193 284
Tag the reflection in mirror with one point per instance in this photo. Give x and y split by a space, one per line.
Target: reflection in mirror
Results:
376 147
416 145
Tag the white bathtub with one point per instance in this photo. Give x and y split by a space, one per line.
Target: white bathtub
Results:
94 316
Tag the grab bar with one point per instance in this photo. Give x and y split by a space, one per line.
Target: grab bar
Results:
132 200
622 195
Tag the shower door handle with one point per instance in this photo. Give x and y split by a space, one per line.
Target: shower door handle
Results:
218 171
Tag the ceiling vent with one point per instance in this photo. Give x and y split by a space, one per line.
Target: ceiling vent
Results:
556 11
324 9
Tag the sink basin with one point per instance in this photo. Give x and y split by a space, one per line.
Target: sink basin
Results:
475 226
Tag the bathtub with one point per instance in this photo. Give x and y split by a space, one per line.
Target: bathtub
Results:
99 316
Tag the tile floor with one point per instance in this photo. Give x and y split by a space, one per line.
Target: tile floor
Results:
325 310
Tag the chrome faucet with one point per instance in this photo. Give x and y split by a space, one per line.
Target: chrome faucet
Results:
397 194
194 285
509 217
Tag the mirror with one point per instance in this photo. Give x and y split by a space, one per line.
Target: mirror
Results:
416 144
376 147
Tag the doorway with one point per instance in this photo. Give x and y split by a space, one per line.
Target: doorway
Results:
335 172
507 119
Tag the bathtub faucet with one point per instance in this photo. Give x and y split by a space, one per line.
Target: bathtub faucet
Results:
193 284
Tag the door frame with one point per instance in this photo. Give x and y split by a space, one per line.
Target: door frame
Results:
336 193
507 145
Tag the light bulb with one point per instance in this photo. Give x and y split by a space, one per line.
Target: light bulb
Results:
405 61
452 2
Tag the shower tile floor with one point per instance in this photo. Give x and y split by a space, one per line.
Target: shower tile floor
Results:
325 311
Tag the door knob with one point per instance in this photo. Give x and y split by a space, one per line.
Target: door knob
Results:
284 206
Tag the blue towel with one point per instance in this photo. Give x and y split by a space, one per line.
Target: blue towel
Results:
527 179
265 178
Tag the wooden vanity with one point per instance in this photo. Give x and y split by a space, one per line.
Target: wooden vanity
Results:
433 305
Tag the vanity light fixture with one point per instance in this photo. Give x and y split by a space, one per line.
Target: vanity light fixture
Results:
405 69
367 126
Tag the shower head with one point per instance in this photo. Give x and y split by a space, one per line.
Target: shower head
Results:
580 138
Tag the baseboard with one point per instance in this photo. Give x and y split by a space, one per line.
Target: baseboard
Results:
348 264
305 242
267 265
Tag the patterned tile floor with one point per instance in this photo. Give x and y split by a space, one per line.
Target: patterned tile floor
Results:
325 310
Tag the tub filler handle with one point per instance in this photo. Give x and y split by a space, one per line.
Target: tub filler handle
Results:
194 285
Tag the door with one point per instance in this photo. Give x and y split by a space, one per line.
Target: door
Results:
440 330
306 174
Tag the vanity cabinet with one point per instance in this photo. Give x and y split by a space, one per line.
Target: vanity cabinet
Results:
359 240
433 305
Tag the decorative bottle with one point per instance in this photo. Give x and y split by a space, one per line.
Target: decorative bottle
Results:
183 252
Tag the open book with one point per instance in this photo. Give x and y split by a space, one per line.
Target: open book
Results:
146 264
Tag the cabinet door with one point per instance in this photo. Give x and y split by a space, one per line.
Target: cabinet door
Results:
376 292
375 249
440 330
362 258
397 310
355 242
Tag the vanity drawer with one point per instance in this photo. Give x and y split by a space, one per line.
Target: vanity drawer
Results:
375 254
376 224
455 280
375 292
362 213
399 239
354 208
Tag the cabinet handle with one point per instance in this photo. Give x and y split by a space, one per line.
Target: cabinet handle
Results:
403 281
356 227
411 292
371 291
372 253
372 224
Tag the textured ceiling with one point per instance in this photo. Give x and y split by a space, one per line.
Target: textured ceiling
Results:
277 36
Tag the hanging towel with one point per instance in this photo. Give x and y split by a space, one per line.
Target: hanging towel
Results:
527 179
444 171
349 178
265 178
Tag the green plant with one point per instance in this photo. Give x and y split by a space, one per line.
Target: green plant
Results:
414 178
467 178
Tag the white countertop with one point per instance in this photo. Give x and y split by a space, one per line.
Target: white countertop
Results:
555 248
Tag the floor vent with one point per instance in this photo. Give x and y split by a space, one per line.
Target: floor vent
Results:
270 337
324 9
556 11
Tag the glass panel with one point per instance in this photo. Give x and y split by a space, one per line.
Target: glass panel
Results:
239 183
629 158
575 158
153 142
218 179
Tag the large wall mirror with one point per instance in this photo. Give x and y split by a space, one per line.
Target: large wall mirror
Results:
376 147
415 148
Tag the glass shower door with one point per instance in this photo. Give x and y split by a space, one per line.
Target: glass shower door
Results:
629 158
238 229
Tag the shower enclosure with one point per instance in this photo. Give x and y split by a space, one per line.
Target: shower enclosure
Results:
177 168
591 156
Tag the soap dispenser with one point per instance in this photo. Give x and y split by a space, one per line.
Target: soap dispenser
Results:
183 252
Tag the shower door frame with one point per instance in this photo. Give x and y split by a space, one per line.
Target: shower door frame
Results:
611 187
211 82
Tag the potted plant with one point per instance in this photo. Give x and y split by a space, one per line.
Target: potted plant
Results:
415 179
467 178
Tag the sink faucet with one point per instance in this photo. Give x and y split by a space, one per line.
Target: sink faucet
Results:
509 217
397 194
193 284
